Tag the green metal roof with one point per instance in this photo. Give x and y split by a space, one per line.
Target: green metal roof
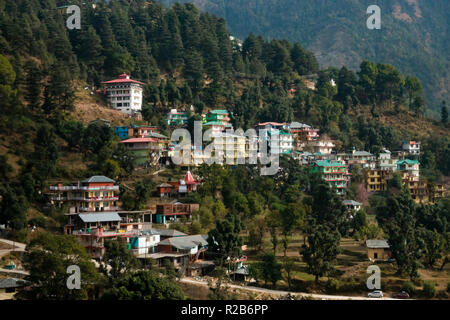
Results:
213 123
219 111
408 161
328 163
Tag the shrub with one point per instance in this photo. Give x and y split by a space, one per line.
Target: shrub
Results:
333 285
429 289
409 287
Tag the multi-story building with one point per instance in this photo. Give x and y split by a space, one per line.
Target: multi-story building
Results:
227 148
323 146
175 117
124 94
303 133
376 180
217 120
145 150
280 142
425 192
93 212
411 147
92 229
363 158
96 194
411 167
386 162
335 172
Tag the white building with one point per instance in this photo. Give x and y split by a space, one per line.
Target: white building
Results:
146 242
412 147
386 162
124 94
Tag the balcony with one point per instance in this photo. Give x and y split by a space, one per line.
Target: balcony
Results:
99 209
82 188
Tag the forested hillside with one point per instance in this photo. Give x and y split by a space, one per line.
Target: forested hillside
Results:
413 35
185 58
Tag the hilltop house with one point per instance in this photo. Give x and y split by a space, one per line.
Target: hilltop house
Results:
124 94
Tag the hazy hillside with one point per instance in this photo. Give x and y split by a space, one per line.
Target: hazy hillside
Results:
413 37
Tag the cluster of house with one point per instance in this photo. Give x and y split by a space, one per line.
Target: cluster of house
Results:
94 216
299 140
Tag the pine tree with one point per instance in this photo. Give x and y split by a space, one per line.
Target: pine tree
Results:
444 113
33 85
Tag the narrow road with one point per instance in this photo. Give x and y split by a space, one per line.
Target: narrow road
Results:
283 293
17 246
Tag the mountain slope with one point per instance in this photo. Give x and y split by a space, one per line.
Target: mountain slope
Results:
413 34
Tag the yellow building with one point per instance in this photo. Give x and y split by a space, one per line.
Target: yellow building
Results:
421 191
426 192
376 180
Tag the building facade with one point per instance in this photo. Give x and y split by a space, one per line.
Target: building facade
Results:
124 94
334 172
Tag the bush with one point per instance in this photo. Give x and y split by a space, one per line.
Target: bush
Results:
333 285
409 287
429 289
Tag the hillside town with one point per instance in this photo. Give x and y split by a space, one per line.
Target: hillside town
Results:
154 156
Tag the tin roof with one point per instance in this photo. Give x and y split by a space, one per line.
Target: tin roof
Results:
169 232
351 202
11 283
100 217
377 244
98 179
186 242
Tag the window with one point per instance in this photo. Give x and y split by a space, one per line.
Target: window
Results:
375 255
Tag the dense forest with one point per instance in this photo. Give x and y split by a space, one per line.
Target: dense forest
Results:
413 33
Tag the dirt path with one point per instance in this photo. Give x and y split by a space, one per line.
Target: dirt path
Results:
283 293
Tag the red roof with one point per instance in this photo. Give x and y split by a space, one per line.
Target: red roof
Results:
137 140
123 78
272 123
189 179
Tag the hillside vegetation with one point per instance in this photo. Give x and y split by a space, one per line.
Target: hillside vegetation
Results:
413 35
